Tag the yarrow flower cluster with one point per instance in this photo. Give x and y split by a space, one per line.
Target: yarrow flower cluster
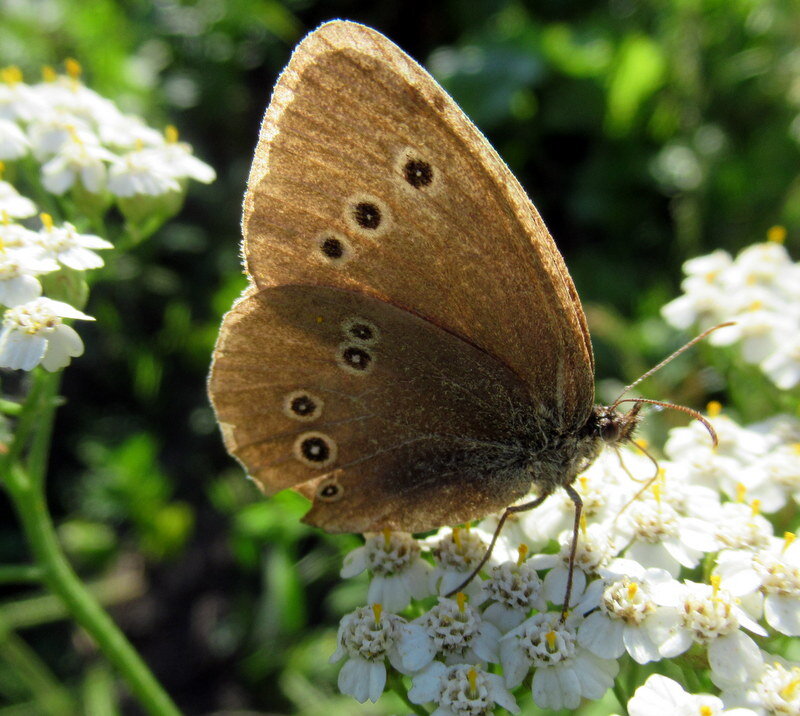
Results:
80 142
681 565
760 291
81 138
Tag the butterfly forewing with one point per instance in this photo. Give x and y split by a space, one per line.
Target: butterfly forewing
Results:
380 417
368 177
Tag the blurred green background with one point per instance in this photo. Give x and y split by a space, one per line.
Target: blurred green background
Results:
645 132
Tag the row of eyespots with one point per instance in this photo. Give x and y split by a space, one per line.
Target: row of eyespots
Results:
355 356
367 215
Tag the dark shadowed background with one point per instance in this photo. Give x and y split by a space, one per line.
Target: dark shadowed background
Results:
645 132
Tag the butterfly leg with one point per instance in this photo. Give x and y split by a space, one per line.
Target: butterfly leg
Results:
576 500
506 514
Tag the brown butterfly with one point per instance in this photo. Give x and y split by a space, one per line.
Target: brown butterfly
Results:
411 352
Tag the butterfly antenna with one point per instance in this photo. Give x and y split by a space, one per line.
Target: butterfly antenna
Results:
670 358
682 408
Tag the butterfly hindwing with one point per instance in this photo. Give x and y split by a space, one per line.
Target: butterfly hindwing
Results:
382 418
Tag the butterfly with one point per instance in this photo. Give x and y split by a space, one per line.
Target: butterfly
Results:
411 351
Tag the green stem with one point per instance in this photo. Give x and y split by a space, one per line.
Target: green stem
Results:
99 691
61 580
20 573
39 449
50 696
25 424
39 609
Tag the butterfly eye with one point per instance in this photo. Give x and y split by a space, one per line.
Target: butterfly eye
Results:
315 449
302 405
418 173
361 330
355 359
609 430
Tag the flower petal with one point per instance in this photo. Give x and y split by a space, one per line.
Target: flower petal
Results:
783 614
734 659
514 661
354 563
639 645
425 686
658 695
602 636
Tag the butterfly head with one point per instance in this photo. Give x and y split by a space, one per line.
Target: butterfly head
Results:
613 426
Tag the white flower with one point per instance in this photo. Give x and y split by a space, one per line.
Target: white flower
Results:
760 290
710 616
459 633
367 637
68 247
760 327
125 131
34 333
137 173
16 236
775 691
77 159
13 142
595 549
704 300
767 265
18 269
55 129
621 612
733 525
773 572
177 159
461 690
66 93
661 695
564 673
778 477
705 306
457 553
783 366
657 534
735 442
399 572
515 589
157 169
13 203
18 101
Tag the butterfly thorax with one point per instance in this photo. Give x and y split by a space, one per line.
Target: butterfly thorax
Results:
568 452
